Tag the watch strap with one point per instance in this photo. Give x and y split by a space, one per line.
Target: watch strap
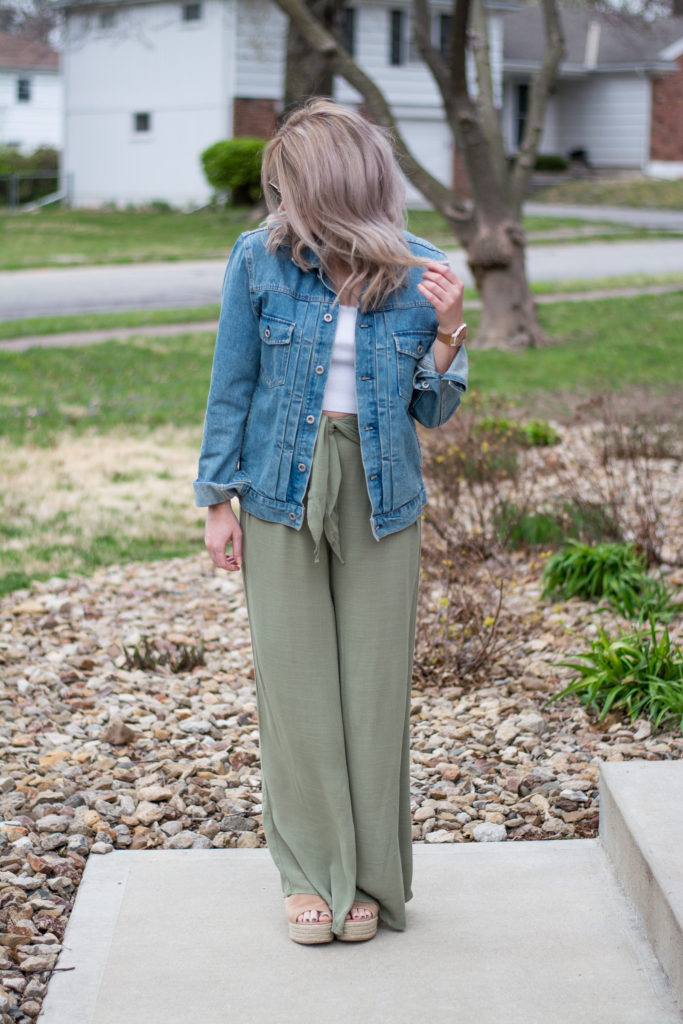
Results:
455 339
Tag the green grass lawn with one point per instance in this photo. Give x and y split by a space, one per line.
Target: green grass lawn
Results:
59 237
146 383
101 441
651 193
40 325
599 345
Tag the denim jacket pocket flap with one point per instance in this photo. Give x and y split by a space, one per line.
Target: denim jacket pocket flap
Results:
411 346
413 343
276 336
274 331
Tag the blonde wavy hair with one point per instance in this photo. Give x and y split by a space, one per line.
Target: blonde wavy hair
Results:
332 185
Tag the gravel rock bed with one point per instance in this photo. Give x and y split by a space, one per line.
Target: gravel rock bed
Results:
96 757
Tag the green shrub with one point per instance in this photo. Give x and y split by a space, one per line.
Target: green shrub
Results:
517 528
532 434
44 160
234 166
616 572
550 162
538 434
638 673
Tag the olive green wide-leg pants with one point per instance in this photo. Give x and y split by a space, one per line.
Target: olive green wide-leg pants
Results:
333 649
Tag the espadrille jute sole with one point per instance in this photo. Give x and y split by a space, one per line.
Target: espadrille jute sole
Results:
311 934
358 931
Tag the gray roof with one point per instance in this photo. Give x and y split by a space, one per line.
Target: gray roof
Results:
623 44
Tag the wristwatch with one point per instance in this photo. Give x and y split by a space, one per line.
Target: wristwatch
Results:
455 339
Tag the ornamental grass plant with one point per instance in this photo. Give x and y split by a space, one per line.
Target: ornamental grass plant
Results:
638 674
614 571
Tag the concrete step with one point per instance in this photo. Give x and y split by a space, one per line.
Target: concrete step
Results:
641 828
498 933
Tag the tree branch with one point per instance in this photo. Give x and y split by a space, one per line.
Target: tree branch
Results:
487 193
378 108
485 104
434 60
538 101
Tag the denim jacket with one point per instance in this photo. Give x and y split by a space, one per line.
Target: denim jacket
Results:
270 365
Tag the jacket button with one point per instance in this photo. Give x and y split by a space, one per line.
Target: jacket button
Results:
310 419
266 333
292 515
419 349
302 467
319 369
327 317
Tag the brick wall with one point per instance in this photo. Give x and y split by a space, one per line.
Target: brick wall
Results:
666 130
253 117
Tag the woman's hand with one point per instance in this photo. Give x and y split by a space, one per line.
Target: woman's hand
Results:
444 289
222 530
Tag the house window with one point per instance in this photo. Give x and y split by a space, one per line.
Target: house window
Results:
396 54
445 27
402 48
107 19
348 30
23 90
192 12
142 122
522 110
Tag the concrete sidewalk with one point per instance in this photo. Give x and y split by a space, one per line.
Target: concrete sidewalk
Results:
498 933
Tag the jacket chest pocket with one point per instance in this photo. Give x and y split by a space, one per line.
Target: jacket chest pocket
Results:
411 346
276 344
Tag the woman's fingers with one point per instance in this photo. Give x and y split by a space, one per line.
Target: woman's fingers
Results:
217 542
444 289
237 547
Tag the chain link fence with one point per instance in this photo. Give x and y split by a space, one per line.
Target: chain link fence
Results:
27 187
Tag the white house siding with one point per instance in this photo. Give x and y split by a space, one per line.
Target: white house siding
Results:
186 75
34 122
260 50
609 117
149 61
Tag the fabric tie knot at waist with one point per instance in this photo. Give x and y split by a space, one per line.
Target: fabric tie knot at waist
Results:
323 488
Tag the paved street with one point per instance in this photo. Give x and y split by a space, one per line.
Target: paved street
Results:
25 293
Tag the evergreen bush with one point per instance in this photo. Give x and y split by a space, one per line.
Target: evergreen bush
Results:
233 166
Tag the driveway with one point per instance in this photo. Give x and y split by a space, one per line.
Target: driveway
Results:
25 293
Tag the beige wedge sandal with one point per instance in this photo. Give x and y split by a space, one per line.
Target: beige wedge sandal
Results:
362 929
308 933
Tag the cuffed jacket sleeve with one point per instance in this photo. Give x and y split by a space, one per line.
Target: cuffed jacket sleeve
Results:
436 395
234 374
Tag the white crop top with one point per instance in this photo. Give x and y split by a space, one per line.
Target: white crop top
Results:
340 389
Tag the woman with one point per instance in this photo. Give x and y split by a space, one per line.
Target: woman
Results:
338 331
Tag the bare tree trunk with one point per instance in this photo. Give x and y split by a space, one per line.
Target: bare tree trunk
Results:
308 72
508 318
